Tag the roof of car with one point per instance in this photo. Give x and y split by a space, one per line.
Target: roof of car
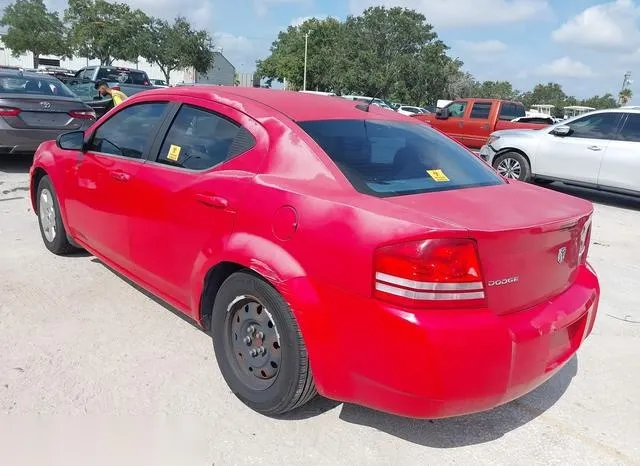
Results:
9 73
299 106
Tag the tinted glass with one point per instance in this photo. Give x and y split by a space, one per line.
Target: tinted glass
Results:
129 132
598 126
631 130
124 76
481 110
33 86
385 158
510 111
456 109
199 139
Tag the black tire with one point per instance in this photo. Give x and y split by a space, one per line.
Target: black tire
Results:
48 207
506 165
292 385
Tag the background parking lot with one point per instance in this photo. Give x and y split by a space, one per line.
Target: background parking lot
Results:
77 339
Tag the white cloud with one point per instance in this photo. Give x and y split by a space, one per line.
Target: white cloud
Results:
565 68
487 46
241 51
262 7
612 26
461 13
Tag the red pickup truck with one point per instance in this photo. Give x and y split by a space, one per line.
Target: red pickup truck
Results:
471 121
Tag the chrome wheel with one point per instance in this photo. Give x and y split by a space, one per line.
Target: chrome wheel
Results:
47 214
510 168
255 341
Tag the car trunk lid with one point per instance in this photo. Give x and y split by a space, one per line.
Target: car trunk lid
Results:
43 112
528 238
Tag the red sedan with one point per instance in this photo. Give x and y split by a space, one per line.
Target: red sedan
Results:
328 247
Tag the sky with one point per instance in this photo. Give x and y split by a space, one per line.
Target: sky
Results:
585 45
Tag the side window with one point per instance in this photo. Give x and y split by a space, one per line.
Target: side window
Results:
88 73
456 109
129 132
481 110
199 139
510 111
631 130
598 126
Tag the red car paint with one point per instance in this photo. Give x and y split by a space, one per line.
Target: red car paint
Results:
286 211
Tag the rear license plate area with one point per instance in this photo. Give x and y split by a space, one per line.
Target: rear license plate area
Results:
564 342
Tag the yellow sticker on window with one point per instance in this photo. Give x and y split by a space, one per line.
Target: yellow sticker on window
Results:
174 153
438 175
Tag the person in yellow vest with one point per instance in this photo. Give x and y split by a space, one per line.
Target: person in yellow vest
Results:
117 96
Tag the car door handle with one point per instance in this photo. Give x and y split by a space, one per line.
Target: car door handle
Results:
594 148
120 175
211 200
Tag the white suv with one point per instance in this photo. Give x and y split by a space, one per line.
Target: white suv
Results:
600 149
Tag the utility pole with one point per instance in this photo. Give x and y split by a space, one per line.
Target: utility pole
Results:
625 83
306 43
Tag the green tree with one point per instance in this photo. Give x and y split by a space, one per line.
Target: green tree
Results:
106 31
497 90
286 60
625 95
600 102
32 28
176 46
548 94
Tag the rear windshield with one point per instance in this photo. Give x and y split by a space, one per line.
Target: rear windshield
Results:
388 158
34 86
123 76
86 90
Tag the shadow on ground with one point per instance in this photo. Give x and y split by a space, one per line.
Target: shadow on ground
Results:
599 197
16 163
443 433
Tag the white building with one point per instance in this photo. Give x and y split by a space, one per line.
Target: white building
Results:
154 72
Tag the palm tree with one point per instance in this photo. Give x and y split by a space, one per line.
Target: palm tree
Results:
625 96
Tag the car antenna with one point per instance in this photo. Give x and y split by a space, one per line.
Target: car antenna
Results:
365 106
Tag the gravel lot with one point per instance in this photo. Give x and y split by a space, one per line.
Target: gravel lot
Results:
95 371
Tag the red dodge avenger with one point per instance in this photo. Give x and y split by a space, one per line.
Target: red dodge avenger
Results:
328 247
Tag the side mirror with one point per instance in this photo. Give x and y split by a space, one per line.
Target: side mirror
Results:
561 131
442 113
71 141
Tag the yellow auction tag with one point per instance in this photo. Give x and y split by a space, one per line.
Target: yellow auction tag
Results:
174 153
437 175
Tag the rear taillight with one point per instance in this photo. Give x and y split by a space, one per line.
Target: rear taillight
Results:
432 273
116 88
585 239
9 112
83 114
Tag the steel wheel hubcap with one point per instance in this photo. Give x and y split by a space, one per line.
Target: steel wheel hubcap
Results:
510 168
255 342
47 213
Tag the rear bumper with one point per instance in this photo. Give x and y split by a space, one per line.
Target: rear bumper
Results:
434 364
21 141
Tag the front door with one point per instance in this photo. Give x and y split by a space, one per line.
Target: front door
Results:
187 197
454 125
99 200
577 156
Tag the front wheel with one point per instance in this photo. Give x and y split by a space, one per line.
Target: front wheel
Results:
259 346
52 229
513 165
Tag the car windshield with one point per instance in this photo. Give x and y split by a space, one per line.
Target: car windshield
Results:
389 158
34 86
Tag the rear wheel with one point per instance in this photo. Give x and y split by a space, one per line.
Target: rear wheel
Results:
52 229
259 346
513 165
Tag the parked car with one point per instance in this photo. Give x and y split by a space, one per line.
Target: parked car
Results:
328 248
35 107
410 110
598 150
471 121
118 74
159 83
86 90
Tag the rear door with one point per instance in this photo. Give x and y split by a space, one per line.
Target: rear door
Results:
621 162
187 197
579 155
100 188
477 126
